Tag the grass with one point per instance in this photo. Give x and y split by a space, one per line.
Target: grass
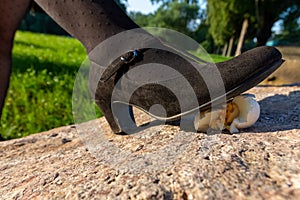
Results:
40 92
218 58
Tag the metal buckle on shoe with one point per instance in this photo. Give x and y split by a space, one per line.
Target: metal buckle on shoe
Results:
130 56
118 63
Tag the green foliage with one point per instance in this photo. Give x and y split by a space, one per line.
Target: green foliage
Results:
225 18
268 12
141 19
37 101
218 58
176 15
40 92
219 21
40 23
212 57
291 27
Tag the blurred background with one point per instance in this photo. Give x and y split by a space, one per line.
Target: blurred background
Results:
46 58
219 25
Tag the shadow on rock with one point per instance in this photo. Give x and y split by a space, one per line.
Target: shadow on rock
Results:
278 113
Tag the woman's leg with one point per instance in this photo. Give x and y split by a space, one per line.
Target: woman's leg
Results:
90 21
11 12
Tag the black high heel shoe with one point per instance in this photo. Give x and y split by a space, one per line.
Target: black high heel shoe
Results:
136 79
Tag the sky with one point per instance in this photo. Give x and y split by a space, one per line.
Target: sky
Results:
144 6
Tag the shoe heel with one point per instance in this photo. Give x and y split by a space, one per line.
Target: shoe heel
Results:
120 117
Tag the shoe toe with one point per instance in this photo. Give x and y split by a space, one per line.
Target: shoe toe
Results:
249 65
262 56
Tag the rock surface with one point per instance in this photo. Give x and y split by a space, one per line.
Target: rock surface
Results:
289 72
260 162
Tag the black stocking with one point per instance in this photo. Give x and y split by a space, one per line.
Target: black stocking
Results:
90 21
11 12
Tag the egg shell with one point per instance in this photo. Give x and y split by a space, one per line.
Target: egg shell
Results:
214 119
249 111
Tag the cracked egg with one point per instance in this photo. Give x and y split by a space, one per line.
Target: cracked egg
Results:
242 112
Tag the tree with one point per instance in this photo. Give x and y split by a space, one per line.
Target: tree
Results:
290 34
176 15
141 19
257 17
225 18
270 11
242 37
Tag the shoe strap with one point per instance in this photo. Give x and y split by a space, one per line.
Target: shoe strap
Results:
125 59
